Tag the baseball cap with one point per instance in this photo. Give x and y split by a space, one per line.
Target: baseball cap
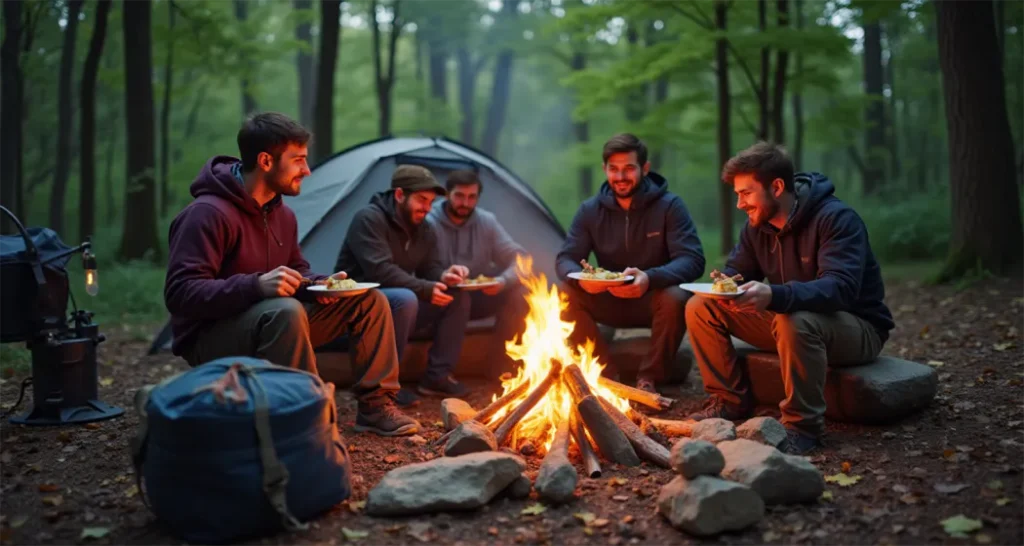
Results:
413 178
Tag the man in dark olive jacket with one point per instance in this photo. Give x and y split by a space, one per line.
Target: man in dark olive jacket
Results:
636 226
822 303
236 276
391 243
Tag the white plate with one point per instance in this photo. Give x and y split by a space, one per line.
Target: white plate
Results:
360 288
477 285
704 289
578 275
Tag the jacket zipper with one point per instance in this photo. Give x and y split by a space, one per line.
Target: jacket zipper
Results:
627 231
782 263
270 233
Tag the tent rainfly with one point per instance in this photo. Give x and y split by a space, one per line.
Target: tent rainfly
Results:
344 183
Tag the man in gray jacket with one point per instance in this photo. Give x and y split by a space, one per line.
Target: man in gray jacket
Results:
471 236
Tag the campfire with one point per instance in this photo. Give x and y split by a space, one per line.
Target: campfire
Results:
559 394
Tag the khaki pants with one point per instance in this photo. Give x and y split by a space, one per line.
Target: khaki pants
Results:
285 331
807 343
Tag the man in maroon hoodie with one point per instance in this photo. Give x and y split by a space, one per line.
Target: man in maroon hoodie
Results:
235 276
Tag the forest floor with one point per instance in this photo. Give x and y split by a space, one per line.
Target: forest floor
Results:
961 456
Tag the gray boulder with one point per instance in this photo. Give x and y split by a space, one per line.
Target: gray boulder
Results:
470 437
762 429
455 411
520 488
692 458
707 505
777 477
714 430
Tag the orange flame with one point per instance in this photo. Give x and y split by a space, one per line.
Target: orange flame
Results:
546 338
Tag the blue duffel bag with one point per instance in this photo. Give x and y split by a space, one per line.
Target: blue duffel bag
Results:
238 448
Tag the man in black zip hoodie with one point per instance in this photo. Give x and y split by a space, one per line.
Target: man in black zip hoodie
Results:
822 303
636 226
391 242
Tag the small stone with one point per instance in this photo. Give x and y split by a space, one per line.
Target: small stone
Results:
714 430
776 477
520 488
708 505
762 429
415 440
455 411
692 458
470 437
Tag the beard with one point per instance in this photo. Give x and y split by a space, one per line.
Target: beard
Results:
764 212
622 194
283 184
459 212
409 215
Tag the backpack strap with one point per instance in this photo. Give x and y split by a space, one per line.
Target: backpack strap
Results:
275 474
138 444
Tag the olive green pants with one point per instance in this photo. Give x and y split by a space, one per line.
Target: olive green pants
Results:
807 343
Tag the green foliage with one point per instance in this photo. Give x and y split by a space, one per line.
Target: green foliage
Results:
913 229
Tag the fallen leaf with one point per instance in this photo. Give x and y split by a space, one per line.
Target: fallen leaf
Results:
356 507
826 496
1003 501
897 529
533 510
846 466
982 538
106 381
627 519
588 531
493 531
94 532
958 525
48 488
951 488
93 426
995 485
439 424
421 531
392 529
131 491
842 479
354 535
936 363
617 481
769 536
601 522
391 459
909 498
18 521
620 498
1004 346
585 517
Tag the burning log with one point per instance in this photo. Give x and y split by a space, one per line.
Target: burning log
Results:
674 428
649 399
610 439
587 453
556 480
483 415
645 447
522 409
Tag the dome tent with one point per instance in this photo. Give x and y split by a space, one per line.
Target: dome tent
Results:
344 183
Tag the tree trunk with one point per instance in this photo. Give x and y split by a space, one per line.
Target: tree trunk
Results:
874 134
724 141
636 99
659 154
766 62
385 77
139 236
165 115
304 63
798 101
1000 15
581 129
87 162
892 111
438 60
327 60
987 231
779 91
108 180
467 93
248 101
500 90
11 86
65 119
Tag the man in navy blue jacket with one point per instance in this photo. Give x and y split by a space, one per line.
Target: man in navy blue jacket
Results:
636 226
821 305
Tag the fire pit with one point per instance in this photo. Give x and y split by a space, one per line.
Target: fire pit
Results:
558 393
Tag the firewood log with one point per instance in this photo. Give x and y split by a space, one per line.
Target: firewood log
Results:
610 440
579 434
649 399
556 480
517 414
645 447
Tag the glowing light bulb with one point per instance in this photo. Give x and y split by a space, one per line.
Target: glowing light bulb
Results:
92 280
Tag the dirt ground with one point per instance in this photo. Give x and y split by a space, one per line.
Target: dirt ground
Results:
963 455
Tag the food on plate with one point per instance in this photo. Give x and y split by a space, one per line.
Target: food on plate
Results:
600 274
725 284
480 279
341 284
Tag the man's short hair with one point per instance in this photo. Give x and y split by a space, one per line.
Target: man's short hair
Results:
463 178
624 143
268 132
765 160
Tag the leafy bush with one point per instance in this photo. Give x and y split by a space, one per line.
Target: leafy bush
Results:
908 230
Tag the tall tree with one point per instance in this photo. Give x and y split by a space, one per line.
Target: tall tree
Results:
139 234
87 100
165 114
304 61
437 62
327 60
891 40
385 76
248 101
724 135
874 115
766 66
987 230
797 97
65 117
581 129
11 88
501 88
779 88
468 70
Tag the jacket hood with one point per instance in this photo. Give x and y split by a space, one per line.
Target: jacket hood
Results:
440 215
652 188
217 178
813 190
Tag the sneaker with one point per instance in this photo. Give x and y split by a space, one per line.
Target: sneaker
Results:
448 387
645 384
385 419
799 442
716 408
405 398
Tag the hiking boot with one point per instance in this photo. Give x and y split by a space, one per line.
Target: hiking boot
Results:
385 419
405 398
716 408
646 384
799 442
447 387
